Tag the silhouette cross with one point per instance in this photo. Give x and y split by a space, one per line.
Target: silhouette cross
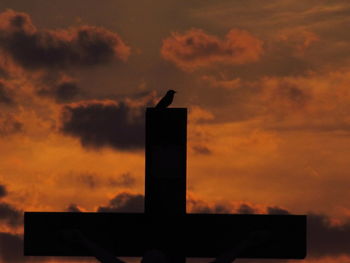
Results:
165 225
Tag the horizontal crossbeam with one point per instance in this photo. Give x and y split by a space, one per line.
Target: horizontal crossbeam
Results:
190 235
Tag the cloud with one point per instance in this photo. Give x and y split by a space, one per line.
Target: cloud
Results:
130 202
201 149
11 247
275 210
195 49
198 206
10 216
246 209
83 46
225 84
90 180
106 123
316 102
9 125
3 191
326 238
300 40
73 208
285 95
125 180
124 202
62 92
198 114
95 181
5 96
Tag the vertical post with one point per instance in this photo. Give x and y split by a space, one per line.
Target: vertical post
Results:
165 192
166 136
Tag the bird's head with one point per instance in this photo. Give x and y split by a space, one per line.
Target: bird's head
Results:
171 92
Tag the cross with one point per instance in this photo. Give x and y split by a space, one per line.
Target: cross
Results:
165 225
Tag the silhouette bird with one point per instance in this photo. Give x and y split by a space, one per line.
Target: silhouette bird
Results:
166 100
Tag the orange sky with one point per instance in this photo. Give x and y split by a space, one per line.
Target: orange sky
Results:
266 84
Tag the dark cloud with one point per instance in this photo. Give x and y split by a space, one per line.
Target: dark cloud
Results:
41 49
201 207
5 97
246 209
63 92
129 202
3 191
275 210
195 49
197 206
124 202
124 180
9 125
326 238
11 250
73 208
11 247
10 215
291 95
106 124
66 91
90 180
200 149
95 181
3 73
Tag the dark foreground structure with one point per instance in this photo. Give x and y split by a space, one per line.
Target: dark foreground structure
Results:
165 225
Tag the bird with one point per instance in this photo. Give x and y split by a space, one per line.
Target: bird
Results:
166 100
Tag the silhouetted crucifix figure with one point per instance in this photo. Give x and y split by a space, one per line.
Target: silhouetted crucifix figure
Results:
165 226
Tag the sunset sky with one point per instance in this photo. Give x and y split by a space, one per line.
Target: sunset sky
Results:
266 84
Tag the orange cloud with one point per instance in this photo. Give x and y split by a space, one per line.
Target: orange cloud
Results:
196 49
198 114
316 101
222 83
298 39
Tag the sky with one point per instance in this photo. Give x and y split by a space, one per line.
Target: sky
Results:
266 84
